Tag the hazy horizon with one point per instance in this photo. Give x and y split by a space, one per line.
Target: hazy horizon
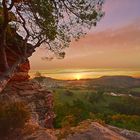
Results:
70 74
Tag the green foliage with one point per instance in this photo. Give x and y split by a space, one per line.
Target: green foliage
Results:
12 116
95 97
69 93
136 89
68 121
53 22
131 122
102 108
128 105
77 109
135 92
47 20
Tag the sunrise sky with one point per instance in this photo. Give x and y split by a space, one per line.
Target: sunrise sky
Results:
110 48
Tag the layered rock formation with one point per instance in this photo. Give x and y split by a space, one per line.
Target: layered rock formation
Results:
21 89
38 100
14 51
89 130
22 72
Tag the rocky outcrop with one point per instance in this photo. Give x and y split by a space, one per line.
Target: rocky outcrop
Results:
23 69
14 52
38 100
40 134
131 135
89 130
22 72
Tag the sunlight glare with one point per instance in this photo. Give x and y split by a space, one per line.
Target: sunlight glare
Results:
78 76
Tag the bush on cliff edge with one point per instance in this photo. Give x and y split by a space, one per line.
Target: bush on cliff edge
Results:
12 116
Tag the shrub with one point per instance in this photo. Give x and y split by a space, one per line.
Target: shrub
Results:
131 122
69 93
12 116
129 106
78 109
96 97
68 121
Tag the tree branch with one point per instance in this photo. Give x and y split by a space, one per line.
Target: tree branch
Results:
26 30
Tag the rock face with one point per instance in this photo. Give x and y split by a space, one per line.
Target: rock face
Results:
22 73
41 134
89 130
38 100
14 51
23 69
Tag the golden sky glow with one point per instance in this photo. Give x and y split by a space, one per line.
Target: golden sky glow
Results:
78 74
113 44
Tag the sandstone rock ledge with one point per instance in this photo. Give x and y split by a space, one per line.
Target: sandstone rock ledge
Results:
35 98
89 130
40 134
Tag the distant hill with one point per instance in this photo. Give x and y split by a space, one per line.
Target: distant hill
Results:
105 81
117 81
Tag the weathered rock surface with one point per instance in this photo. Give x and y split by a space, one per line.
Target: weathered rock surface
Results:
40 134
89 130
14 51
22 72
32 94
36 99
131 135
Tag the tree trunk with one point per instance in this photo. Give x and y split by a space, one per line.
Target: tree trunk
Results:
3 59
3 28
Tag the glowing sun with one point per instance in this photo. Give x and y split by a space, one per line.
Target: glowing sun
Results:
78 76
